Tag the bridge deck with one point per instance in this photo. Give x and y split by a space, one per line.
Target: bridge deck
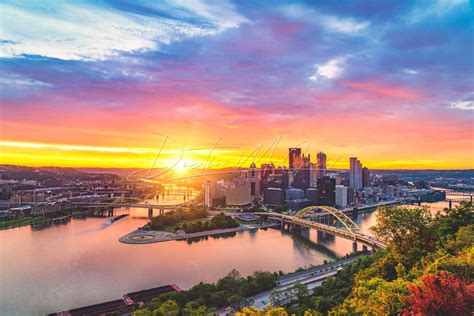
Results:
344 233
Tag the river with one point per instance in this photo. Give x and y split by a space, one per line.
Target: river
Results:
82 262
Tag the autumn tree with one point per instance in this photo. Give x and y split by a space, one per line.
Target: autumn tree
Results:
378 296
442 294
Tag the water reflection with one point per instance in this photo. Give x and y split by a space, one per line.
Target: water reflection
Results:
82 262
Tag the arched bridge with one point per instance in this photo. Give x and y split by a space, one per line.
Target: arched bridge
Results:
349 230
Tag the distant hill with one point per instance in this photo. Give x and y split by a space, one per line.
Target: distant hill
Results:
14 172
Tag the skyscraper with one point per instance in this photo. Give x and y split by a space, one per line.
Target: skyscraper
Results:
341 195
207 194
365 177
301 172
294 157
254 177
321 165
313 174
326 191
355 174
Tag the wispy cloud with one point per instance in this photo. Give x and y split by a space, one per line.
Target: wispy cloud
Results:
88 31
463 105
343 25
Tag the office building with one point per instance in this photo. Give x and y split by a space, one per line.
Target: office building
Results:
299 172
274 196
253 175
326 191
342 194
294 194
238 193
296 205
294 157
313 174
312 195
265 171
207 194
321 164
355 174
366 177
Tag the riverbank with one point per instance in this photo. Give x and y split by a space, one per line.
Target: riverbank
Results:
32 220
141 236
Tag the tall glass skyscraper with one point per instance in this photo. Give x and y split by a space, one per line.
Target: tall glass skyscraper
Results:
355 174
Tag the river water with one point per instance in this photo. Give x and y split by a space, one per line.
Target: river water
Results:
82 262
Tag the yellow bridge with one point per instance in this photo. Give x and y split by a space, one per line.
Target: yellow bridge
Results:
349 230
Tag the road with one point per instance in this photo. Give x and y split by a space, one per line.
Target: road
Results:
312 277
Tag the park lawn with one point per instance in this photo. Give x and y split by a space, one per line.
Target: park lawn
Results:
21 221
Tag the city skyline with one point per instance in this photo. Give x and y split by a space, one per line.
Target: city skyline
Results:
98 84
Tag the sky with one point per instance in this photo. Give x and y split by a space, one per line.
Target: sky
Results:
184 83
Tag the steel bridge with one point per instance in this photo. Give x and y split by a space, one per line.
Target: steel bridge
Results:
150 207
124 204
349 230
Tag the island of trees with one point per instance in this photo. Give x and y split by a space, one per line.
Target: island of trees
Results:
193 220
172 218
426 270
220 221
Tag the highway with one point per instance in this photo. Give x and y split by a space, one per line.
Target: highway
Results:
311 277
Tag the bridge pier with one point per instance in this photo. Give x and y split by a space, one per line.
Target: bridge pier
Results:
162 211
110 212
354 246
451 203
364 249
304 232
150 212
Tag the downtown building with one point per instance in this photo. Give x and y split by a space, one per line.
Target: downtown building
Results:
299 172
344 196
355 174
321 165
326 191
366 177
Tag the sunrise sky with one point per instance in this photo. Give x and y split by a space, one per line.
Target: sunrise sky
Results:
99 84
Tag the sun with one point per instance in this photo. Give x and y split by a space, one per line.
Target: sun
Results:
181 167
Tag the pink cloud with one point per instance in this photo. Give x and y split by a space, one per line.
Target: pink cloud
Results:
383 89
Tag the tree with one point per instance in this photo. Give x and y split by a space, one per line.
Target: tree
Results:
442 294
238 301
405 228
230 282
264 280
191 310
379 297
300 292
142 312
450 222
268 311
168 308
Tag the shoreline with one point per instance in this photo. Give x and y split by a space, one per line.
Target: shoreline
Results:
140 237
